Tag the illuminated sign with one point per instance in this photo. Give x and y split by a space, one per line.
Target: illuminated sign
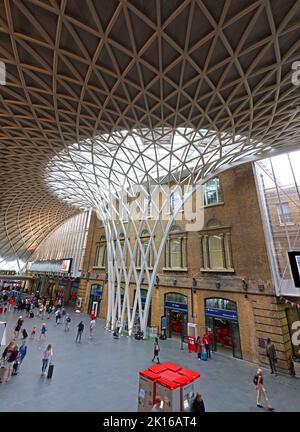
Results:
51 266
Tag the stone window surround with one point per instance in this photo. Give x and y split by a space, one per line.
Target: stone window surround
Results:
225 233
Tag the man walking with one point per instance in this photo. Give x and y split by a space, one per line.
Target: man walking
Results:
156 350
92 326
261 391
271 354
79 332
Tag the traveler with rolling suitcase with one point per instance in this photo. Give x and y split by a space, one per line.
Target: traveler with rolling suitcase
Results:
47 357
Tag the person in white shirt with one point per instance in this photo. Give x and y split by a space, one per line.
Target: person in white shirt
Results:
47 357
92 326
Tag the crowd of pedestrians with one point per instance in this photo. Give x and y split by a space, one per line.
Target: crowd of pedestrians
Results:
32 306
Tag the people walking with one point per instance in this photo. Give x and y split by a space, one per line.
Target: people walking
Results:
57 316
9 356
33 332
67 322
92 326
23 351
156 349
18 327
10 303
199 347
198 404
271 354
261 396
47 356
80 328
43 331
25 334
205 340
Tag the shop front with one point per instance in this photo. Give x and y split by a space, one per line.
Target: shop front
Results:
222 320
60 292
95 299
176 312
74 291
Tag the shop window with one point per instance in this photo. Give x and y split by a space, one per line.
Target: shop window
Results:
145 239
284 213
100 256
216 248
175 252
176 298
212 191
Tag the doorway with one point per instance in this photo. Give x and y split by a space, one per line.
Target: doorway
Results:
95 299
176 312
222 322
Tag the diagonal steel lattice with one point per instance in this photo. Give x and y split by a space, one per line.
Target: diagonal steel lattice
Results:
76 73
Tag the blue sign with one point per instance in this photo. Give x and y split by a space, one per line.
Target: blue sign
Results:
163 323
96 290
221 313
176 306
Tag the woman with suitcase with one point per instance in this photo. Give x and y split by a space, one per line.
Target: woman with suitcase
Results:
47 357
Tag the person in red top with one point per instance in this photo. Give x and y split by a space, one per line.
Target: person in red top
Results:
205 341
10 303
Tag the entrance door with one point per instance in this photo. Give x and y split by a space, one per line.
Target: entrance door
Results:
94 310
94 304
236 342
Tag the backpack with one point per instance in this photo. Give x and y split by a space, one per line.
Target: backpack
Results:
68 319
255 379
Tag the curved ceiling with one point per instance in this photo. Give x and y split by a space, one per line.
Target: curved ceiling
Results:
77 69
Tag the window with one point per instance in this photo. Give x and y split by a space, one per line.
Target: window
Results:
175 256
147 213
100 256
212 191
145 239
175 199
216 248
284 213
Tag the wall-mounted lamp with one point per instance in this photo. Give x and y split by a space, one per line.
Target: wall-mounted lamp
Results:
157 281
194 282
174 282
106 276
245 287
261 286
218 285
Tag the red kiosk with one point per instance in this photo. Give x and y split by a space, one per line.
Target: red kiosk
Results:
176 386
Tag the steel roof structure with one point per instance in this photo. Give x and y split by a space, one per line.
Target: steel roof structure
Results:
77 71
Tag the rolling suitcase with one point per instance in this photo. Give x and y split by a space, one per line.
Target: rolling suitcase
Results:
204 355
15 368
50 371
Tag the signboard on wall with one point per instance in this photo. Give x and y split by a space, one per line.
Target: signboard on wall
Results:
51 266
221 313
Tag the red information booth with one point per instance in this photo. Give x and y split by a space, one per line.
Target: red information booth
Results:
176 386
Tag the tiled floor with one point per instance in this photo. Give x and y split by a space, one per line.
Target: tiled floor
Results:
102 374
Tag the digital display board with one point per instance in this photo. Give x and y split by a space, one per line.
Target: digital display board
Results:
294 258
51 266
